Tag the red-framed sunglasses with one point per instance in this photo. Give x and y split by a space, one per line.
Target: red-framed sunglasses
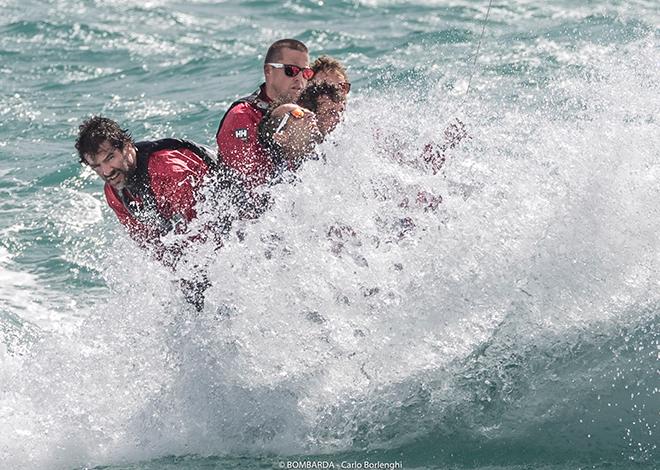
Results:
293 70
344 86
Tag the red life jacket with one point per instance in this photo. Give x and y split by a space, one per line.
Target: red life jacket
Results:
256 100
238 142
162 191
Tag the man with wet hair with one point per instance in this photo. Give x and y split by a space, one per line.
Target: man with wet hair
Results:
152 187
286 71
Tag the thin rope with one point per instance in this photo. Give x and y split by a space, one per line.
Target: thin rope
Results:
476 55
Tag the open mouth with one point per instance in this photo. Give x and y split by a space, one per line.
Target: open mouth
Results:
113 178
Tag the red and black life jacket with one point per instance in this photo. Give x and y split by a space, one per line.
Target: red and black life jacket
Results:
142 205
259 104
253 100
223 181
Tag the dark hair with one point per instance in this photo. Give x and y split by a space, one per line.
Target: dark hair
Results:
96 130
273 54
328 64
309 98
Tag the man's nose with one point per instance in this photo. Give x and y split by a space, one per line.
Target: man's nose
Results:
106 170
300 79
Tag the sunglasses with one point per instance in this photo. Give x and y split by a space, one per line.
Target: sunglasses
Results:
345 87
293 70
297 113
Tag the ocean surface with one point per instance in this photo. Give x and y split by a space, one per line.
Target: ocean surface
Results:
516 326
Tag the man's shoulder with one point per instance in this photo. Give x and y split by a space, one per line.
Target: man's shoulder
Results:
174 161
240 123
243 111
252 106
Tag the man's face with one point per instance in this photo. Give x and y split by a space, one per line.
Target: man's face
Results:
114 165
281 87
328 114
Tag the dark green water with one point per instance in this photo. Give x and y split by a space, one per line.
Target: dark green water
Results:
516 328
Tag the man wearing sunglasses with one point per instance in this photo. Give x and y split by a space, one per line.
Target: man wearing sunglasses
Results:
286 72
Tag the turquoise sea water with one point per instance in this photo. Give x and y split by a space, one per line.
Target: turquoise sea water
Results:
516 327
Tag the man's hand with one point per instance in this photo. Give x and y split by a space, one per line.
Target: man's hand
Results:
435 155
454 133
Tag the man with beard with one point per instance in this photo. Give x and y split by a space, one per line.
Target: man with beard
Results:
152 187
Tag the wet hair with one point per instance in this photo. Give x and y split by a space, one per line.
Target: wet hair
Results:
309 98
274 54
96 130
329 64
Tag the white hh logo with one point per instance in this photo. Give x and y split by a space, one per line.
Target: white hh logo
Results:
241 134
